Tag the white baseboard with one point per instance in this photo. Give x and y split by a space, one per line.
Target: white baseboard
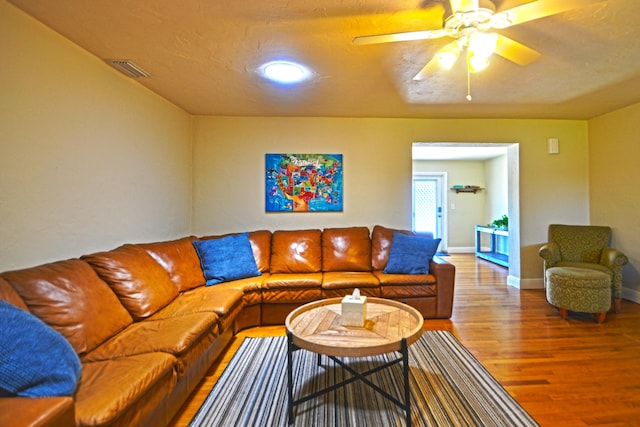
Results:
519 283
631 295
461 250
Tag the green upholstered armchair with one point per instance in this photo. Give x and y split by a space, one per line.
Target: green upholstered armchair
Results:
585 246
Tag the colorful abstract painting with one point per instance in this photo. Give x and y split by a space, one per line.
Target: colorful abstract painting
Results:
303 182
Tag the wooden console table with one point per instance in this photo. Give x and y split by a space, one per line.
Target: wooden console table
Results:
498 245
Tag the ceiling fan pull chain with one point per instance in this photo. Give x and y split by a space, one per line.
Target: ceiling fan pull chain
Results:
468 84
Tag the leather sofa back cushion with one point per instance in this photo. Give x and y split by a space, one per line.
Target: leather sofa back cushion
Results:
296 251
381 238
261 247
180 260
141 284
70 297
346 249
8 294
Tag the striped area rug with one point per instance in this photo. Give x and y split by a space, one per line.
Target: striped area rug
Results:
449 387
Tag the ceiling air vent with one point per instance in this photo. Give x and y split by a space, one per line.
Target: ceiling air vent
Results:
128 68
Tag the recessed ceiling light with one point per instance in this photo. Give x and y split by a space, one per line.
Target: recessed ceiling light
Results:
284 72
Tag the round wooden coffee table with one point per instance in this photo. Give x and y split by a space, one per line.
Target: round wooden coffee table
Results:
390 326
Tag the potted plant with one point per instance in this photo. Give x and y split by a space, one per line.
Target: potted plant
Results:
502 223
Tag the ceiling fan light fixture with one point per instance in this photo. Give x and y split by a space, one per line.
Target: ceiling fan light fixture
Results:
483 44
448 55
477 62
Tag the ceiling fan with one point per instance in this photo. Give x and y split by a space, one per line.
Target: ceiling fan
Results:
470 24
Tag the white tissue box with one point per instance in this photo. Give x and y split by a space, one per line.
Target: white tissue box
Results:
354 311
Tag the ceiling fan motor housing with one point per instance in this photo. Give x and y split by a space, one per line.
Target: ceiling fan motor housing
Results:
458 22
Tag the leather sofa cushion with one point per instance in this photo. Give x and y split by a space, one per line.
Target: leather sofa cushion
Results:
405 279
285 288
42 412
141 284
346 249
284 282
225 302
118 390
400 286
70 297
250 288
298 251
8 294
178 336
180 260
212 299
349 280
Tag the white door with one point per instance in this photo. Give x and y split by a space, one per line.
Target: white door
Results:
428 211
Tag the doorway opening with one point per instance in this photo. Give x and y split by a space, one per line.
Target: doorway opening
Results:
492 166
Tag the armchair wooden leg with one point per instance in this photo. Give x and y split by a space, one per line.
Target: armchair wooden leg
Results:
600 317
617 306
563 313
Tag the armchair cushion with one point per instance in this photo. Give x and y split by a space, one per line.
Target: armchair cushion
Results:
580 243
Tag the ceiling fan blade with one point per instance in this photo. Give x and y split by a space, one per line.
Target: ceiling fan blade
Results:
463 5
536 10
427 69
434 64
400 37
515 51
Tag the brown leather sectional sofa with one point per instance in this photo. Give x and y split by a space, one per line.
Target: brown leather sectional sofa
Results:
146 328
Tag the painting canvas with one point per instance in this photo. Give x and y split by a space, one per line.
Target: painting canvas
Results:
304 182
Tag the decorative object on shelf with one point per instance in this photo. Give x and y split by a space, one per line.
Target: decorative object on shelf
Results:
466 188
354 309
501 223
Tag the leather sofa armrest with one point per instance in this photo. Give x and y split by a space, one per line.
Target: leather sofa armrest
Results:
444 273
37 412
612 257
550 252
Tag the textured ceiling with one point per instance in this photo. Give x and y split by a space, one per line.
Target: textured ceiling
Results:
203 55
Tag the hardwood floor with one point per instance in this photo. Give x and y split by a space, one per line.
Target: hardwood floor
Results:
564 373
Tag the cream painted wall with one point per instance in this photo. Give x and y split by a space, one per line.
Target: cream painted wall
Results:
614 152
89 159
497 189
469 208
229 171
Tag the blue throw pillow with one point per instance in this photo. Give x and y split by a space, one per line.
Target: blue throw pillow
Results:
35 359
410 254
225 259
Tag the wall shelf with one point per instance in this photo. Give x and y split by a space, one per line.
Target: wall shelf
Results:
466 189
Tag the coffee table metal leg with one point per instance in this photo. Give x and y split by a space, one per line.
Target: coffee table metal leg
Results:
407 390
404 359
290 350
